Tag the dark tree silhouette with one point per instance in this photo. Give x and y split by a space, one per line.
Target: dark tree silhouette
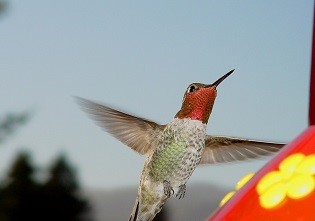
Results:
10 123
18 201
22 198
3 7
61 191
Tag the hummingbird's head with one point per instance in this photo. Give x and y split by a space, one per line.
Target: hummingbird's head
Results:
199 99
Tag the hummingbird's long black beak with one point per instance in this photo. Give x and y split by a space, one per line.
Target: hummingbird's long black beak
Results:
217 82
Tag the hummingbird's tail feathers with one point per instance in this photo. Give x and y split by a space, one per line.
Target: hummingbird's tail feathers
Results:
221 149
134 214
147 211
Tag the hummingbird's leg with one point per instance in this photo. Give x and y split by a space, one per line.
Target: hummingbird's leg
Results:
181 191
168 190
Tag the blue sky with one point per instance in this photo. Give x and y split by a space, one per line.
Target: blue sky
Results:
140 56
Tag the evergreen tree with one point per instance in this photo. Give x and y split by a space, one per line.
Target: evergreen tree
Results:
19 191
61 191
3 7
21 198
10 122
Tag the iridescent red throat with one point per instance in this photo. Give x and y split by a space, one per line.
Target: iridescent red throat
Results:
198 106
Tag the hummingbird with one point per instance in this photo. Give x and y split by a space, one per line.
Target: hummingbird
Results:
174 150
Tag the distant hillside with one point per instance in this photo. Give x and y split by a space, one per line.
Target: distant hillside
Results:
200 201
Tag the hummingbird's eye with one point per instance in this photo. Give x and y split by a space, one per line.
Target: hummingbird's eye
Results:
192 88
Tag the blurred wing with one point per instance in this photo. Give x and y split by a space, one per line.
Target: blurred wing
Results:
135 132
220 149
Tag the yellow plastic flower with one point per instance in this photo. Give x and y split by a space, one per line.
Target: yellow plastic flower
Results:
295 179
238 186
227 197
243 181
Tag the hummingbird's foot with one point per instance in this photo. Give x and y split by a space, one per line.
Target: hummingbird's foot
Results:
181 191
168 189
